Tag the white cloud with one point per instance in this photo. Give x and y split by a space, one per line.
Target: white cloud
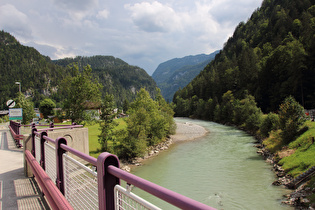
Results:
103 14
141 32
155 17
14 21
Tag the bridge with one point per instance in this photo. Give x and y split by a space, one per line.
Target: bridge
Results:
63 177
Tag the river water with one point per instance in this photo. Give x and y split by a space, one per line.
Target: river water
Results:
220 169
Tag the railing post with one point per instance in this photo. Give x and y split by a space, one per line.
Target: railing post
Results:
42 149
51 125
33 140
59 164
106 181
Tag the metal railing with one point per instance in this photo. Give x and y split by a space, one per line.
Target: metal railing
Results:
15 132
82 187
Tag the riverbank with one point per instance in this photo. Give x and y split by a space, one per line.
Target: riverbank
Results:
184 132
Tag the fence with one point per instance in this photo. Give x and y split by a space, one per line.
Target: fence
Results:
81 187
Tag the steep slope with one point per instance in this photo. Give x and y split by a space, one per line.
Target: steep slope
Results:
37 75
178 72
271 56
117 77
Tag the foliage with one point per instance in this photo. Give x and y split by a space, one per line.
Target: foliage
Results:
81 91
269 123
274 142
149 122
117 77
270 57
291 118
303 155
107 123
46 107
243 113
4 119
42 78
38 76
27 108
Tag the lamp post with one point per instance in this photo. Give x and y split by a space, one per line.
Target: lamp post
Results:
18 83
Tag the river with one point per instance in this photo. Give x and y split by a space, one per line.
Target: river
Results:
220 169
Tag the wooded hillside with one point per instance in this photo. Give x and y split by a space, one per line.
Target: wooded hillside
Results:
117 77
271 56
40 77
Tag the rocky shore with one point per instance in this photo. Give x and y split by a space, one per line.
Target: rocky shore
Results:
297 198
184 132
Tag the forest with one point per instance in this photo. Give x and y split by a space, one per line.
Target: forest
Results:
41 78
268 58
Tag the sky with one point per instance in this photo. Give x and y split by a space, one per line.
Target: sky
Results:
143 33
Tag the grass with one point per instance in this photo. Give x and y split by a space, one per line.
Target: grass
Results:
94 132
304 156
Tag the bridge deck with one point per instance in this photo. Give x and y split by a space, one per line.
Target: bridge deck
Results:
16 190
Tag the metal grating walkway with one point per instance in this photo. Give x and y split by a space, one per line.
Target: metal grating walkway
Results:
16 191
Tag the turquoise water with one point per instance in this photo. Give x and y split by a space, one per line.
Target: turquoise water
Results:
221 170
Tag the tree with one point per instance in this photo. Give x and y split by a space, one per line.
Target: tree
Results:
291 118
107 123
148 124
46 107
27 106
269 123
80 90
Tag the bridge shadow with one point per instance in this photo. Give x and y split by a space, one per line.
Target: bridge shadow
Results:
20 192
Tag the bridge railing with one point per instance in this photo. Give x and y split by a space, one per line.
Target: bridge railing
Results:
15 129
85 188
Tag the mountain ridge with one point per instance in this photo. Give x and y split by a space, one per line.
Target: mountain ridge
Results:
178 72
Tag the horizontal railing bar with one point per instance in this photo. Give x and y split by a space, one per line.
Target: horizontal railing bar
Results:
66 127
49 139
167 195
44 125
81 155
51 191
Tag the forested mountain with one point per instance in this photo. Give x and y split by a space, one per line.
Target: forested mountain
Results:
18 63
117 77
40 77
270 57
178 72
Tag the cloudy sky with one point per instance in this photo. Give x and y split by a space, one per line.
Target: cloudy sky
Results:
141 32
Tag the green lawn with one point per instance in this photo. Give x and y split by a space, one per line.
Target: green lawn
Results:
94 131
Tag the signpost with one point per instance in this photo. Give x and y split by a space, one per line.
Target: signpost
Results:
16 114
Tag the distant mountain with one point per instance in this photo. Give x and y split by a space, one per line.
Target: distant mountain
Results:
178 72
117 77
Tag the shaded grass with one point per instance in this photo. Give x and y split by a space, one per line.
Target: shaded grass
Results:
94 132
304 156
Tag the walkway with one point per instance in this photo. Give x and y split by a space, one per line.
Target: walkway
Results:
16 191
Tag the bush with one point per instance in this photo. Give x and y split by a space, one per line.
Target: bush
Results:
291 118
269 123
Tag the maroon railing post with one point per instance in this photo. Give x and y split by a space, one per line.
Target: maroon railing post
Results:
51 125
33 140
59 163
42 149
106 181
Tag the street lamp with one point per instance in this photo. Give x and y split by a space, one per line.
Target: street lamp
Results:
18 83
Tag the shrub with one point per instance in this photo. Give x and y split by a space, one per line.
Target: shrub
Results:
269 123
291 118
